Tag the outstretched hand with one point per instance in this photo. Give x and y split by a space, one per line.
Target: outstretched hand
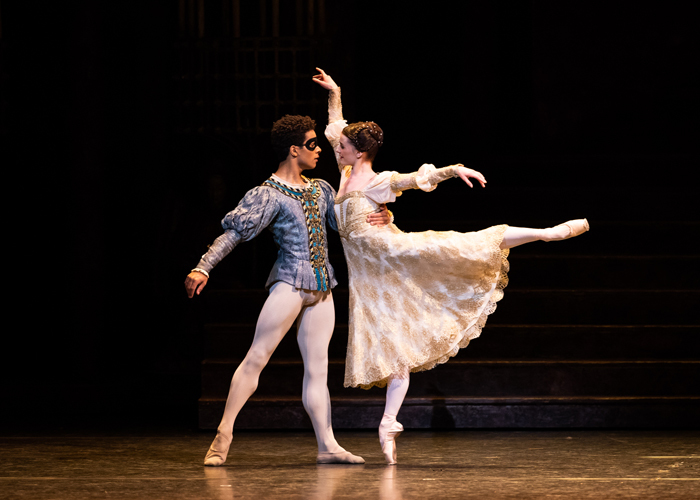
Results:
324 80
466 173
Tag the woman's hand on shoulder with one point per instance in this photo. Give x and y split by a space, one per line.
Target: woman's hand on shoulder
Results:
466 173
324 80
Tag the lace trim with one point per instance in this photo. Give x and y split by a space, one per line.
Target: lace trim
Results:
348 221
426 178
472 332
335 107
402 182
350 194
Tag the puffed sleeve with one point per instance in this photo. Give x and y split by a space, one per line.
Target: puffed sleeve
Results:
329 195
254 213
379 189
427 178
333 133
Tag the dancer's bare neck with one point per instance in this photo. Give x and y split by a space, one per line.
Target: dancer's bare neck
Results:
290 171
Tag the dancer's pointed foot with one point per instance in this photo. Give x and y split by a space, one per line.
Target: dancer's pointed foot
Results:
389 430
339 457
566 230
218 450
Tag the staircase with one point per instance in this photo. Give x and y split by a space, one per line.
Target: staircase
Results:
597 331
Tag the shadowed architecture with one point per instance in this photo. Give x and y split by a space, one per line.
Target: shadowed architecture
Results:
138 127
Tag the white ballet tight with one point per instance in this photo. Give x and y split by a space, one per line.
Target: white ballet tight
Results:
396 392
315 315
515 236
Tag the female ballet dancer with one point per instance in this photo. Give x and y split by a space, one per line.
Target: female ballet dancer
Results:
415 298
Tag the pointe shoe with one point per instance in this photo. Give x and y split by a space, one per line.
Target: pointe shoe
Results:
216 456
340 457
576 227
387 440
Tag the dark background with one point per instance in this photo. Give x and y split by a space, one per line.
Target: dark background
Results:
117 180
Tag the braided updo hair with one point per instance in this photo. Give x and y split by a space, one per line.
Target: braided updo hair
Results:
367 137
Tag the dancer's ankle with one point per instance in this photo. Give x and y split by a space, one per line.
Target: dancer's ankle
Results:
330 447
556 233
225 435
388 419
566 230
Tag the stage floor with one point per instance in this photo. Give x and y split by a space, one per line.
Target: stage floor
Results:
275 465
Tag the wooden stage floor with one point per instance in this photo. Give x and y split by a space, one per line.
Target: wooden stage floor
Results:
276 465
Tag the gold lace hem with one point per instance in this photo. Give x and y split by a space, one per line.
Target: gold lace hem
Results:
472 332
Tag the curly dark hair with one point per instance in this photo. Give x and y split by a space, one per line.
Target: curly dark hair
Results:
289 131
367 137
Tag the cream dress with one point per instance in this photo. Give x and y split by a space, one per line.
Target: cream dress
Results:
415 298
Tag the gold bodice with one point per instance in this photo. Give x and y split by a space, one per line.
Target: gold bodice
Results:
351 211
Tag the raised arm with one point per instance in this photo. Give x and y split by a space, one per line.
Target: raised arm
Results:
428 177
335 108
336 123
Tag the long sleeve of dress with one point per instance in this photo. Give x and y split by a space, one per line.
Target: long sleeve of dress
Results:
254 213
427 178
335 106
336 123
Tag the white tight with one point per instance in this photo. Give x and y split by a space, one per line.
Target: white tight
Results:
396 392
515 236
315 315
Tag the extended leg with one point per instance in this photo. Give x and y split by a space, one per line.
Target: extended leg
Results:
276 318
316 324
515 236
389 428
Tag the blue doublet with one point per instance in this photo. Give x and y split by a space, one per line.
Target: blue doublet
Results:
297 218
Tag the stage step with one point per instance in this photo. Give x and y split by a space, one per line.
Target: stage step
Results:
639 272
575 306
469 412
488 378
505 342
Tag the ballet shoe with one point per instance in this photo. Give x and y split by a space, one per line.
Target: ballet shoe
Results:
340 457
576 227
387 440
216 456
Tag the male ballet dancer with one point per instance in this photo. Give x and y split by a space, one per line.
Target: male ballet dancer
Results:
296 210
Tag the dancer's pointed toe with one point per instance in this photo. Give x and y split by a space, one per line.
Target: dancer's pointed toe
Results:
577 227
389 430
213 461
389 451
216 456
568 229
341 457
